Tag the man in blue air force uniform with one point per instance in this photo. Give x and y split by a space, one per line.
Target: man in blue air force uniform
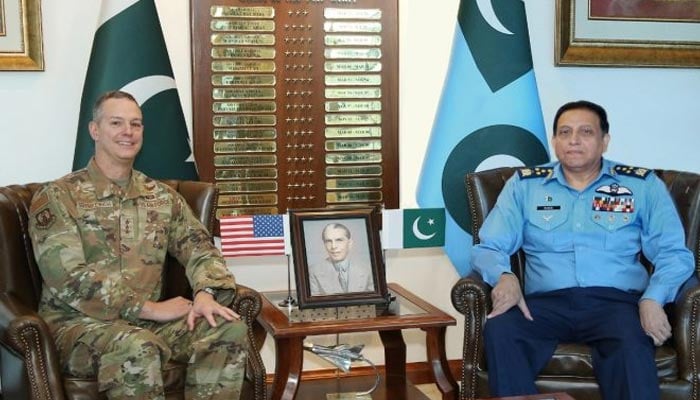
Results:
582 222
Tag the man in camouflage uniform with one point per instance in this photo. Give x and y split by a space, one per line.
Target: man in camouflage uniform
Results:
101 236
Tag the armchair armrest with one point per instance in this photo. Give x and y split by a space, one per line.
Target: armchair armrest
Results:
248 305
29 351
685 322
471 296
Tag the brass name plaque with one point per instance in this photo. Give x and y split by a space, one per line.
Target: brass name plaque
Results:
353 145
242 12
252 133
353 197
342 26
352 66
370 170
245 147
353 80
354 183
243 80
347 106
243 39
247 26
245 160
245 173
243 66
353 93
352 13
353 158
240 120
232 212
257 186
247 199
352 40
353 119
373 53
244 93
353 131
244 106
244 52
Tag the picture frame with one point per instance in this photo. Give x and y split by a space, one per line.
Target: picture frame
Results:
21 38
326 241
630 41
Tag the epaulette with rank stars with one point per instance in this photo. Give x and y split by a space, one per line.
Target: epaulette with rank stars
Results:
536 172
636 172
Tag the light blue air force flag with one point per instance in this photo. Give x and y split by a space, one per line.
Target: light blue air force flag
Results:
489 114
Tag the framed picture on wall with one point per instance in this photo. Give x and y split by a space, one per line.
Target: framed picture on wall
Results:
644 33
21 47
337 257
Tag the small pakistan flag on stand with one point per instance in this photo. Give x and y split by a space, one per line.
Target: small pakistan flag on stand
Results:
413 227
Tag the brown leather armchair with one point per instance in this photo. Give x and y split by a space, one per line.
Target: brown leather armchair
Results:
570 369
29 365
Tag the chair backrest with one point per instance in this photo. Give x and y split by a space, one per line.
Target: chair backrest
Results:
483 188
19 274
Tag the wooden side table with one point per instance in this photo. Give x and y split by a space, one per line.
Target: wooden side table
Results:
406 312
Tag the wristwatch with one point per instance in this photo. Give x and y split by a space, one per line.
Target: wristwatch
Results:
209 290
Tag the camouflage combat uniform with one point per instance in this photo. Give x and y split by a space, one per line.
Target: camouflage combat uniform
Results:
101 250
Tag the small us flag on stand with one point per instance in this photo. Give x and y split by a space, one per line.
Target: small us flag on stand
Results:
252 235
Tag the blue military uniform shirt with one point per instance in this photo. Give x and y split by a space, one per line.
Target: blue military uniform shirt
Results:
586 238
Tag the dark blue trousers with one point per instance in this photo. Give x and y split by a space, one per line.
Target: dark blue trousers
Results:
606 319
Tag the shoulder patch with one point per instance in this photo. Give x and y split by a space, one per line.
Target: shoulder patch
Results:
636 172
536 172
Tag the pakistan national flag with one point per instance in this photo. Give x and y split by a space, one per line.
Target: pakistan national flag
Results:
129 54
408 228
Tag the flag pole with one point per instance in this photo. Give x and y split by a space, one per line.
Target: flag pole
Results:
289 301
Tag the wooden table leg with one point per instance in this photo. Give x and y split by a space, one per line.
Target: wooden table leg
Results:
289 359
435 344
395 363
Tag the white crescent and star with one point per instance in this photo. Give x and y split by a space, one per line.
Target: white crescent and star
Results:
420 235
487 11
